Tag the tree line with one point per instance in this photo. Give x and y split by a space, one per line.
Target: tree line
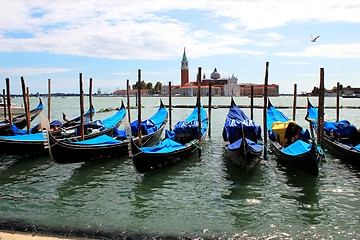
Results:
316 90
153 89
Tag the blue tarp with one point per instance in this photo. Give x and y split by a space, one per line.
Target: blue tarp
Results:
313 113
255 147
274 115
169 144
150 125
165 146
341 129
297 148
357 147
193 117
113 120
236 122
188 129
147 127
100 140
159 117
26 137
120 133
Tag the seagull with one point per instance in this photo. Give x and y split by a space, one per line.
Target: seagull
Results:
314 39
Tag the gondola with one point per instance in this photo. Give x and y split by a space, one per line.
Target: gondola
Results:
342 138
241 138
177 145
20 121
303 154
23 143
105 146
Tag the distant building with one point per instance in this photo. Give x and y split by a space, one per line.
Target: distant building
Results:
184 70
220 86
123 93
245 89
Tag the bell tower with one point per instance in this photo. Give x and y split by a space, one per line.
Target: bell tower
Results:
184 70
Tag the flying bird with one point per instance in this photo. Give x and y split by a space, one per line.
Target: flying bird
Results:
314 39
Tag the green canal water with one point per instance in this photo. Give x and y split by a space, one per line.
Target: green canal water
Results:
206 196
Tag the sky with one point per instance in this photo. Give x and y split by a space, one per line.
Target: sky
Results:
109 40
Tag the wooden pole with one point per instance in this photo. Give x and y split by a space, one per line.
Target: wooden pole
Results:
81 107
28 109
198 104
4 101
209 107
49 99
170 107
25 104
337 101
9 110
252 102
320 132
265 107
8 100
294 103
128 98
90 99
136 99
139 105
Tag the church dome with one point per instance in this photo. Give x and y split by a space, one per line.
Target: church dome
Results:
215 75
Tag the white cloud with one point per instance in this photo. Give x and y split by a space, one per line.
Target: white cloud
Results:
147 30
327 50
32 71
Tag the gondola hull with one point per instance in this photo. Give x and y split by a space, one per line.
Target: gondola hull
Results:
241 138
63 152
343 148
11 147
307 162
246 161
146 162
20 121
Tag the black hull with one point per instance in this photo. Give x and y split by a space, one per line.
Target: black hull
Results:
245 162
20 121
308 162
146 162
63 152
339 149
8 147
342 150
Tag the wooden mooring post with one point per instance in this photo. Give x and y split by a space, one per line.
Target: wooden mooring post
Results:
320 124
128 99
209 108
49 99
4 101
139 105
90 99
265 108
337 101
23 87
294 103
170 106
198 104
252 102
82 132
7 80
